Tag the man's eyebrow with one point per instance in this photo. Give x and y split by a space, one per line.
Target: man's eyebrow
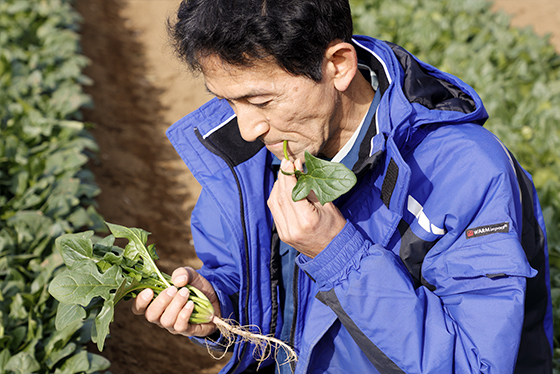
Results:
237 98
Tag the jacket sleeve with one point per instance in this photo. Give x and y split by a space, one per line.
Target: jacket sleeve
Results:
472 320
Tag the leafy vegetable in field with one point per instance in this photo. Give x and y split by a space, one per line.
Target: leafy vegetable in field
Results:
45 189
329 180
100 274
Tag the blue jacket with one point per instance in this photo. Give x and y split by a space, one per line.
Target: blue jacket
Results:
442 266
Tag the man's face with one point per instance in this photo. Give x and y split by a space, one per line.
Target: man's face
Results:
273 105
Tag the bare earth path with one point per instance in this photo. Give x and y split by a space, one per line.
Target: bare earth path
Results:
139 91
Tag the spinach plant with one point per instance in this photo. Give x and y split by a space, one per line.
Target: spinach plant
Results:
101 274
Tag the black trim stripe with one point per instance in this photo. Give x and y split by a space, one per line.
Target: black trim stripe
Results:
433 93
389 182
535 356
379 359
365 160
412 252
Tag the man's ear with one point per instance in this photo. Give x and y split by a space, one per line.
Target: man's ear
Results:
341 64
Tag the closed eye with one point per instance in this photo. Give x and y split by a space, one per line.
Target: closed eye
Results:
261 105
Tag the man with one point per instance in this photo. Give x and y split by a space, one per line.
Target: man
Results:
435 262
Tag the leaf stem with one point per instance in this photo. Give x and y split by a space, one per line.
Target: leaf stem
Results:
285 147
151 261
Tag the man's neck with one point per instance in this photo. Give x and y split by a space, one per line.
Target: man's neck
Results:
355 103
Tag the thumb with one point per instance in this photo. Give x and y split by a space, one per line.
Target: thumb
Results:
196 280
183 276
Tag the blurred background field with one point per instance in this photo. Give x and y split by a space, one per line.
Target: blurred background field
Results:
87 89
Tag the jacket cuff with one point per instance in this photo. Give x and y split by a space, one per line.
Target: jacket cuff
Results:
328 266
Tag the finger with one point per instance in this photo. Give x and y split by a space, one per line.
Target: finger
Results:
171 313
287 166
182 322
285 183
142 301
180 277
158 306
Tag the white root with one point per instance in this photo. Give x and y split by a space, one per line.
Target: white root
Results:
264 344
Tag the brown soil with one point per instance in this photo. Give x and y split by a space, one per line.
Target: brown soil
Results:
543 16
140 89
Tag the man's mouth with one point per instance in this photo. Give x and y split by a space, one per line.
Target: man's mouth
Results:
273 143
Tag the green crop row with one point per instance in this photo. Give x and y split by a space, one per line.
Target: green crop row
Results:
45 189
516 72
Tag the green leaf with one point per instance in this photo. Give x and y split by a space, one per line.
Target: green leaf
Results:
59 338
137 247
4 358
106 242
85 282
75 248
54 357
78 363
17 308
67 314
127 286
329 180
23 363
113 258
18 336
137 239
84 362
102 322
152 251
79 218
97 363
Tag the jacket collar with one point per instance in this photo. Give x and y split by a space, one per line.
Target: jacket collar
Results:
415 95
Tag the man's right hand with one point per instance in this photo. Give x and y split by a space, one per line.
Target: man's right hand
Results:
171 309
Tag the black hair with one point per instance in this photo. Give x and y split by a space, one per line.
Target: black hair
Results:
295 33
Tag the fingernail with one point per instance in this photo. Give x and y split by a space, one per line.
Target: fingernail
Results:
283 163
184 292
146 295
182 279
189 305
171 291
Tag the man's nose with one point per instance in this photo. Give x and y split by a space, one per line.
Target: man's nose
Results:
252 124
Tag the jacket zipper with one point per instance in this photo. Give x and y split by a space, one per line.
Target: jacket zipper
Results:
295 292
212 147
